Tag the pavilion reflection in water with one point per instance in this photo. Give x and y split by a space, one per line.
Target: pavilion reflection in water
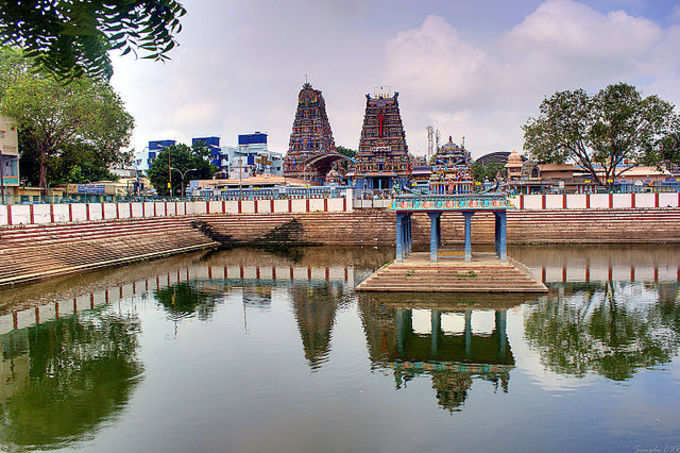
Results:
452 359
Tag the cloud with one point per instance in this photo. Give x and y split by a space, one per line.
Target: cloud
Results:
486 91
240 66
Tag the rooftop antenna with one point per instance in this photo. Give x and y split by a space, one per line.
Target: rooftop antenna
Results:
436 136
463 141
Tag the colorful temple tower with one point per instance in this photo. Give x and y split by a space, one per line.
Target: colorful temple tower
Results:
311 136
451 172
383 161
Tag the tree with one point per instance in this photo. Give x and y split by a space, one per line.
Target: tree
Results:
601 132
351 153
488 172
82 113
183 158
71 38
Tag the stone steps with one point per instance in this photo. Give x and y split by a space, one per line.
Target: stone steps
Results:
30 253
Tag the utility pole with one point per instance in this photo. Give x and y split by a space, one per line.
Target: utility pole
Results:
183 174
2 178
240 168
169 176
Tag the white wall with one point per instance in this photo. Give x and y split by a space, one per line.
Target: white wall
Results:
669 199
20 214
60 213
41 213
576 201
599 201
95 211
553 201
299 205
621 200
315 204
533 201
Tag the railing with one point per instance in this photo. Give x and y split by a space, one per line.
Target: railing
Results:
276 193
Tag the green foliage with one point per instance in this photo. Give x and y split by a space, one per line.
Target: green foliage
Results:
488 172
81 121
602 131
183 300
182 157
351 153
82 372
602 334
72 38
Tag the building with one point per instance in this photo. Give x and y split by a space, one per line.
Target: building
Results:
254 158
451 171
213 145
9 158
383 161
145 157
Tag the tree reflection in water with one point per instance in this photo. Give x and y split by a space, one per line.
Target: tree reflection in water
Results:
184 300
605 329
63 379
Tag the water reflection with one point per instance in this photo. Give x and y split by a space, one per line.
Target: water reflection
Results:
451 358
70 366
63 379
314 309
188 299
611 328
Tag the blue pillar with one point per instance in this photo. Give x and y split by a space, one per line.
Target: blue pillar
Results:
502 247
401 327
400 237
501 323
468 235
468 333
435 331
496 232
434 236
410 234
439 230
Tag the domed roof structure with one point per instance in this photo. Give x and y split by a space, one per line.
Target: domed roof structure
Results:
514 159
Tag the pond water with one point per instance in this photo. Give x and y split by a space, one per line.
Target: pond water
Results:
254 351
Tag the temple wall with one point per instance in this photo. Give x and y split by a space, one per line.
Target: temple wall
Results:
376 227
43 250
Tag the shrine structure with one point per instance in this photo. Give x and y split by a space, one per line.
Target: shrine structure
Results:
383 161
311 151
451 172
451 270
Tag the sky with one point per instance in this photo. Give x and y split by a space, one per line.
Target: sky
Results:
477 70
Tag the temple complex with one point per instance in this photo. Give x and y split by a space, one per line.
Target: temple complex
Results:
451 171
311 138
383 161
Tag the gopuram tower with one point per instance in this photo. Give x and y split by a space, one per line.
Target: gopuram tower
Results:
383 161
311 136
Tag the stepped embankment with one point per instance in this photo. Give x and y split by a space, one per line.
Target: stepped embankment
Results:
31 252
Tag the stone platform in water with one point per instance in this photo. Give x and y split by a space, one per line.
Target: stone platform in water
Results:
484 274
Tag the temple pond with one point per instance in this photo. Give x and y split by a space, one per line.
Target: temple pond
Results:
252 351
